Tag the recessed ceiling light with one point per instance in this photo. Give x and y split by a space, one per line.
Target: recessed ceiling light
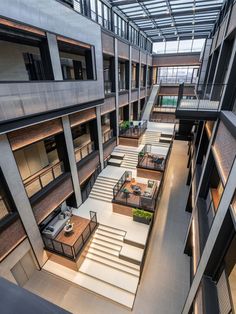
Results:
167 11
172 24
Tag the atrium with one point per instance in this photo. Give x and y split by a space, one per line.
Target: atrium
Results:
118 156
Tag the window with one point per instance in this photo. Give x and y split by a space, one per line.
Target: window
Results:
76 61
176 75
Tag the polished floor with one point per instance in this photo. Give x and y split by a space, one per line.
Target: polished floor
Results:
165 281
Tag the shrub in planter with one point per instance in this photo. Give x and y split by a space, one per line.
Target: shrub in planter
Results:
142 216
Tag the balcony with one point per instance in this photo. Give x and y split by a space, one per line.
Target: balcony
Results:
153 158
69 244
133 129
134 193
206 105
122 86
84 150
107 87
42 178
107 135
133 84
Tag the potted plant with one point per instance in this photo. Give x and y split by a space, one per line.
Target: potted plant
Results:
125 192
142 216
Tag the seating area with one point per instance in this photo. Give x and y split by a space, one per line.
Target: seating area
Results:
133 129
136 192
153 158
66 234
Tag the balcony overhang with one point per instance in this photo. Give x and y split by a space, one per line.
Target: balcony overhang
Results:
200 109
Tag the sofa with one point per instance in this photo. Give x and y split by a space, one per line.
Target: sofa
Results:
55 226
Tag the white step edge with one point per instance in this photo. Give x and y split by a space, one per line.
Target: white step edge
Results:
110 235
110 275
107 245
112 229
107 239
112 258
112 264
104 249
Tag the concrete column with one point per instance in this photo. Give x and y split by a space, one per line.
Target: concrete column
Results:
99 130
55 57
146 77
217 79
229 89
21 200
71 157
212 237
117 89
139 79
130 82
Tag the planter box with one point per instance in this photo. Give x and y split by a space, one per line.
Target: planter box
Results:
142 220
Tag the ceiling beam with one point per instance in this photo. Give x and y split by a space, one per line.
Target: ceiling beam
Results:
214 8
144 29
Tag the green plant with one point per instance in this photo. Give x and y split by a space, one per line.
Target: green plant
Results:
124 125
141 154
142 213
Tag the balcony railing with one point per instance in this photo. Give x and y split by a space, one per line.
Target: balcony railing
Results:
129 129
107 87
149 160
72 251
123 196
122 86
208 97
42 179
84 151
107 135
133 84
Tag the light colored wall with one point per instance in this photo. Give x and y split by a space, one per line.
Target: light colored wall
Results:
12 66
12 259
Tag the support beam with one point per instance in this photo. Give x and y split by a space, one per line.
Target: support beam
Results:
117 88
99 131
21 200
55 57
72 161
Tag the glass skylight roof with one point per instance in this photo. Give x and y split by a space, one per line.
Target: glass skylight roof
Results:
165 20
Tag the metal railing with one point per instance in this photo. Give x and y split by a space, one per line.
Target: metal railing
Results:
107 135
207 97
124 197
127 129
84 151
133 84
149 160
72 251
88 187
122 86
41 180
107 87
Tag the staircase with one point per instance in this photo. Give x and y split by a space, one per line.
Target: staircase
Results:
104 272
148 108
130 160
153 138
103 189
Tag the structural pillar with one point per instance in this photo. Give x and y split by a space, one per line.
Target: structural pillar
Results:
139 79
54 56
99 131
117 89
21 200
72 161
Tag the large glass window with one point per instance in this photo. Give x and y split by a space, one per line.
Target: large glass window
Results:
179 46
176 75
6 206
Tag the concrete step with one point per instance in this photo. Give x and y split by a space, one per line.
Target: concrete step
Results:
106 290
95 285
102 187
112 264
110 235
112 258
100 198
110 275
107 239
111 229
107 245
104 249
106 180
99 191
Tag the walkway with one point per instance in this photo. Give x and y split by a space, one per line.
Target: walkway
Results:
165 279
